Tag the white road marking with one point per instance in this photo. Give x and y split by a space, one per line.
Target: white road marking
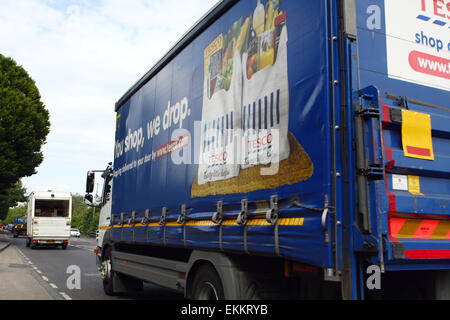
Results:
91 274
66 296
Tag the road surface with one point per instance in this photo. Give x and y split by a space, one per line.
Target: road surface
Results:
56 270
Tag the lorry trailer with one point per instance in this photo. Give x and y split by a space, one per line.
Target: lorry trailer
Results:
49 219
287 149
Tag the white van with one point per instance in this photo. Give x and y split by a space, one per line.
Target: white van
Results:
49 219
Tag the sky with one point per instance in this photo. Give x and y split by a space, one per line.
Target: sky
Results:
84 55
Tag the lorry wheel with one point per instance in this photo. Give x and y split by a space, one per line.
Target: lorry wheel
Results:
207 284
64 246
107 274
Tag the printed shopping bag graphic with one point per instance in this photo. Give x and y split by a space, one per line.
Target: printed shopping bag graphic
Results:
220 114
266 105
245 142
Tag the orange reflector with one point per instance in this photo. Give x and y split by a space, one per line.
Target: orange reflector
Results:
96 251
416 135
402 228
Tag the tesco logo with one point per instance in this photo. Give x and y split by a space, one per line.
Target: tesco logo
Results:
439 8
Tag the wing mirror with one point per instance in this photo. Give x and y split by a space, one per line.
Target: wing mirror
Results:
90 179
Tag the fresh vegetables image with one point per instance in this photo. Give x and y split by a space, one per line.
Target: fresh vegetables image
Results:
252 65
257 35
258 18
242 42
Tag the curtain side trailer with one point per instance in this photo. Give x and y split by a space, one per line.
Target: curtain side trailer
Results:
287 149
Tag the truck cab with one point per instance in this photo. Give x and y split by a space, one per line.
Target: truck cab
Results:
103 203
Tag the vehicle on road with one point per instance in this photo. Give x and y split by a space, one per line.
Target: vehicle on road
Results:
75 232
20 227
286 149
49 219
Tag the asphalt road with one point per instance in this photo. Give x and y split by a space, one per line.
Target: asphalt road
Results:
56 270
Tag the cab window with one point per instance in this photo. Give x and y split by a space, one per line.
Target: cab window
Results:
107 189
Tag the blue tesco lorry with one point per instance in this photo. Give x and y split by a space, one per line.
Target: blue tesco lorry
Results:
287 149
20 227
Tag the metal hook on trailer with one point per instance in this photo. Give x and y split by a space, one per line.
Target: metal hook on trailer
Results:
146 219
272 218
324 224
324 220
272 213
162 222
163 219
217 218
242 218
132 221
218 215
121 222
182 218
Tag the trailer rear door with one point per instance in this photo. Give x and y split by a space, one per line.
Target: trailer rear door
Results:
402 116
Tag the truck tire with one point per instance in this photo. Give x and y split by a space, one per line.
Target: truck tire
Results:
207 284
64 246
107 273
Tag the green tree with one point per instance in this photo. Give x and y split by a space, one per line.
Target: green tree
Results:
84 218
11 198
16 212
24 125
